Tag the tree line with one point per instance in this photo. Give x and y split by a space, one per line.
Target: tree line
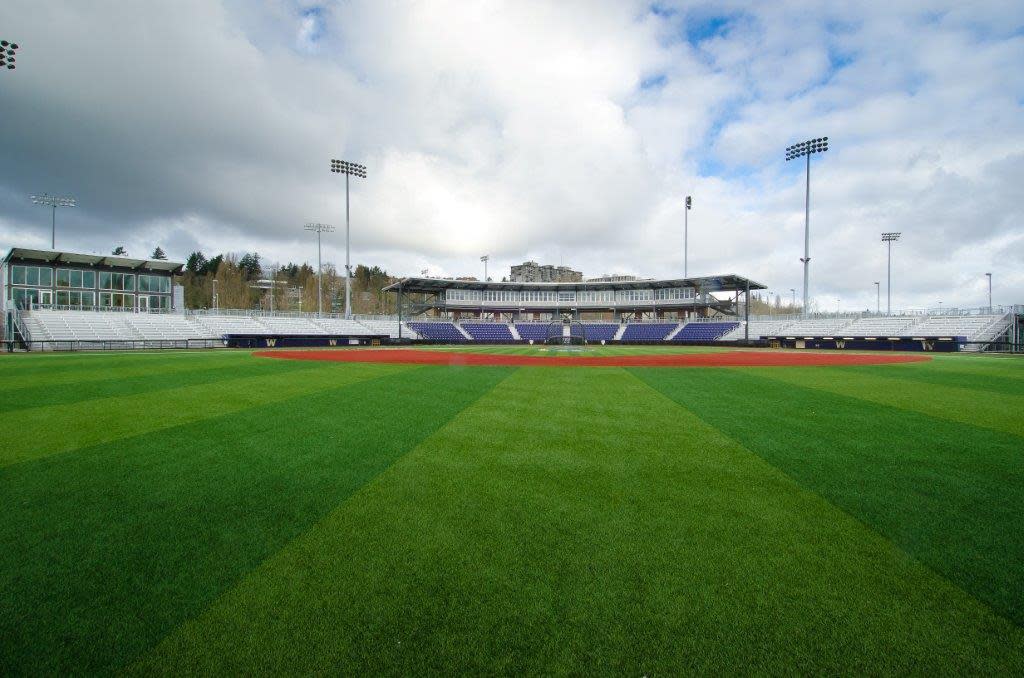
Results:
246 282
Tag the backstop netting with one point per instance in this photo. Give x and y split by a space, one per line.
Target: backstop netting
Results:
566 332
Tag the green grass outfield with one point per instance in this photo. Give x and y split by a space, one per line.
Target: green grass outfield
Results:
218 513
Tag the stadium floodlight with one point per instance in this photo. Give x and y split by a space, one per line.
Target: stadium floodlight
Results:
807 149
878 298
989 292
355 170
889 239
686 235
8 54
319 228
485 258
793 292
53 202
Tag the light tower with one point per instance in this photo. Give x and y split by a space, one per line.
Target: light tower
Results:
319 228
878 298
989 275
686 235
889 239
806 148
485 258
53 202
353 169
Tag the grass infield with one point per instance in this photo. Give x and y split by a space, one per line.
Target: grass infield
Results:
218 512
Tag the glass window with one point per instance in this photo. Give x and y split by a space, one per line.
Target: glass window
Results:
89 279
144 283
32 276
46 277
104 283
129 282
18 275
63 279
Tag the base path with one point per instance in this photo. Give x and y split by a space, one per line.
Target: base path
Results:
779 358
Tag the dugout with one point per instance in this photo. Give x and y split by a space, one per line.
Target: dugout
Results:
302 341
937 344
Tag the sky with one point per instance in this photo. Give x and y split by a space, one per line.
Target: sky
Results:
563 132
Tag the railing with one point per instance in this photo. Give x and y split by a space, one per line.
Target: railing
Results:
97 309
122 344
19 325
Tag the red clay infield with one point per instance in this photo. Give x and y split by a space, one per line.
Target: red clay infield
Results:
780 358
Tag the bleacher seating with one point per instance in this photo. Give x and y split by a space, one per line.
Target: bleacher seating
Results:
645 332
600 331
489 333
702 332
439 331
388 327
164 327
534 331
757 329
883 326
289 325
219 325
969 326
817 327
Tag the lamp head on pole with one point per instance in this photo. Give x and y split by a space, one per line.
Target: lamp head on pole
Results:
53 201
8 52
344 167
319 228
689 202
891 237
819 145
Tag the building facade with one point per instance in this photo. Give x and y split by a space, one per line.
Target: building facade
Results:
531 271
75 281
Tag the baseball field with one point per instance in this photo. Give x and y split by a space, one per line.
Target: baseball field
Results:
231 512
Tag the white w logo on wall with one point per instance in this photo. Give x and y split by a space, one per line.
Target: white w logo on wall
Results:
840 344
271 343
332 342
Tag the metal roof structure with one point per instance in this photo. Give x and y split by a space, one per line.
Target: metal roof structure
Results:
714 283
55 257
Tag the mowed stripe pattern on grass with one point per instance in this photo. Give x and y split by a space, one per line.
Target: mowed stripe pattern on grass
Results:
342 518
108 547
617 533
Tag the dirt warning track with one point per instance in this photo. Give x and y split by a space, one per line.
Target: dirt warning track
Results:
725 359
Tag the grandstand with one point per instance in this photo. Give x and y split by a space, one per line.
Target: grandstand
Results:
43 325
67 300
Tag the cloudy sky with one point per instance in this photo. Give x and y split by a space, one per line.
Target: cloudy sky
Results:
558 131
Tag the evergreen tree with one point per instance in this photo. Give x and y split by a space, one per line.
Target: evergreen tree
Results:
158 254
120 251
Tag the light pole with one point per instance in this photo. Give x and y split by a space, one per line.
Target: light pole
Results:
214 300
989 292
686 236
353 169
321 228
485 258
7 54
53 202
806 148
878 298
793 292
889 238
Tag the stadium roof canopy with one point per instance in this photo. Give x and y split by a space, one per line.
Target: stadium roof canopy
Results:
712 283
54 257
